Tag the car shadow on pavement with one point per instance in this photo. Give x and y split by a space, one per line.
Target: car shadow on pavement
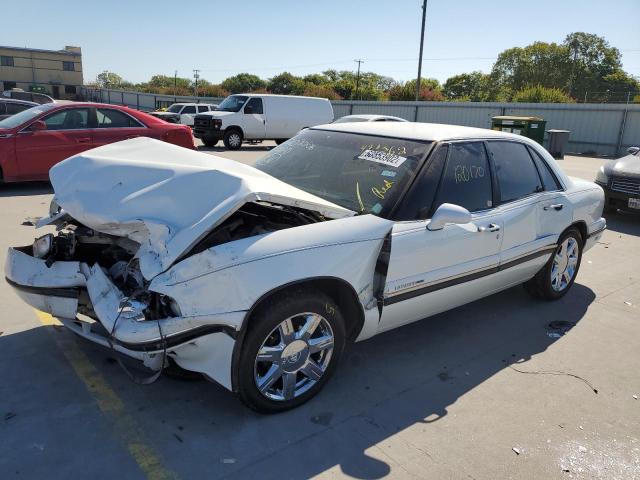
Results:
25 189
404 378
245 147
628 223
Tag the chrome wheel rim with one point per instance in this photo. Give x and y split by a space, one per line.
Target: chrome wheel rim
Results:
294 356
565 263
234 139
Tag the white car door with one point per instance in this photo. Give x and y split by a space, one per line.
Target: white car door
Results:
187 115
253 121
432 271
525 247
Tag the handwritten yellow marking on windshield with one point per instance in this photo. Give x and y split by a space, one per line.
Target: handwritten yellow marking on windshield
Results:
359 197
380 192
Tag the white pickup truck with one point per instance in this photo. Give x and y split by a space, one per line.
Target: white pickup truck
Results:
254 117
183 113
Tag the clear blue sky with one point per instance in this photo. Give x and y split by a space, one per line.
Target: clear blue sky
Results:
137 39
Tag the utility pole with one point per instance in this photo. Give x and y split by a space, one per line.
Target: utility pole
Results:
196 76
358 61
424 17
175 82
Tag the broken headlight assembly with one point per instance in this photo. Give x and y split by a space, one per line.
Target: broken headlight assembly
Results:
42 246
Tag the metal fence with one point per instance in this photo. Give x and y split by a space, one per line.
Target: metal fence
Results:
601 129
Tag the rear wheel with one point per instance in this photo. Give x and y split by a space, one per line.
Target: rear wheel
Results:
292 348
233 139
555 279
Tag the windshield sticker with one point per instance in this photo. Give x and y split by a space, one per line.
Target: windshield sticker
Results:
382 190
388 173
376 209
389 159
394 149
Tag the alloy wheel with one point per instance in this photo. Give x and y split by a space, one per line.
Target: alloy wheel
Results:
564 265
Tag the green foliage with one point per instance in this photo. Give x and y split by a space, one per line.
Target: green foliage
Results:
473 87
286 84
430 91
109 80
243 82
540 94
322 91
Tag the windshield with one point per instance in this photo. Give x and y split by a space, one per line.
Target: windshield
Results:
232 103
26 115
175 108
363 173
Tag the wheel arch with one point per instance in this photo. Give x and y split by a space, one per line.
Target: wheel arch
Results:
581 226
341 291
234 127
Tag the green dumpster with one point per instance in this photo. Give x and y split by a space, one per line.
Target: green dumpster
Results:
531 127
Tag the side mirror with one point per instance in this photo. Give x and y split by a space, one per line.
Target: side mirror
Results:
37 126
633 150
448 213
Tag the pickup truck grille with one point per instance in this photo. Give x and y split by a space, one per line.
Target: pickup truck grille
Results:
626 185
202 122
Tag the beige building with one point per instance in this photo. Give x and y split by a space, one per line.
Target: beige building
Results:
57 73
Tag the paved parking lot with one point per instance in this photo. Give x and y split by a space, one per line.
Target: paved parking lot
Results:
482 392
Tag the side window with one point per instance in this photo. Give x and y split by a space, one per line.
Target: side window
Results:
549 180
3 108
189 109
202 108
516 173
467 178
418 201
16 107
254 106
70 119
108 118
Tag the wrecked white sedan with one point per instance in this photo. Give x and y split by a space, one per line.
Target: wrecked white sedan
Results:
259 277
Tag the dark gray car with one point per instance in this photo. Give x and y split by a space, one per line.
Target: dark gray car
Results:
620 180
9 106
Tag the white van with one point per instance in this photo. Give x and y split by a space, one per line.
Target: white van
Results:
251 116
183 112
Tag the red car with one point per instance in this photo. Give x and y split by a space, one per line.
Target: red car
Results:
33 141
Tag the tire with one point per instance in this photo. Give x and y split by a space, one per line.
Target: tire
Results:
546 284
287 314
209 143
280 141
232 139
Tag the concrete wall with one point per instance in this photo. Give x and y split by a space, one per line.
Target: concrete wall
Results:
603 129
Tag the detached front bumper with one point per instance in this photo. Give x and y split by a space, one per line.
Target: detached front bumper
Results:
201 343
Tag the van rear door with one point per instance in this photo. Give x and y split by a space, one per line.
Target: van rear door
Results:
254 121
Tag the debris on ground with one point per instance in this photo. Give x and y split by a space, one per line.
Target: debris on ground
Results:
573 375
30 221
635 397
516 449
558 328
9 415
228 460
627 302
178 437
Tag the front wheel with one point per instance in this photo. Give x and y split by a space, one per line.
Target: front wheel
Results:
292 348
209 142
555 279
233 139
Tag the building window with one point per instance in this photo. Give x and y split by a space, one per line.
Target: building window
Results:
6 61
68 66
71 89
9 85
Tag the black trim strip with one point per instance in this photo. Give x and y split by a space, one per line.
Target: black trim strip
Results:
467 278
589 235
65 292
177 339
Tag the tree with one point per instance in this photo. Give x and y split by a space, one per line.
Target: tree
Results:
109 80
430 91
474 87
322 91
243 82
286 84
540 94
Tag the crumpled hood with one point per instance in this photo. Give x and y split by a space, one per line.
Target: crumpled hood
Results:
165 197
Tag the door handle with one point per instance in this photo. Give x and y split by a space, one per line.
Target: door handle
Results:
492 227
555 206
83 140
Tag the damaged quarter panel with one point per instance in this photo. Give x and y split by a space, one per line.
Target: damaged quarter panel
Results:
233 276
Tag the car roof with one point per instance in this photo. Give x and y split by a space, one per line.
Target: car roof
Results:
15 100
419 131
370 116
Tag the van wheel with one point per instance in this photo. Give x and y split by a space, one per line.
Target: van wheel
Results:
292 347
233 139
209 143
280 141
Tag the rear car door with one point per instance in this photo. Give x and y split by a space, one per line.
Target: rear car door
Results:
254 123
115 125
520 192
432 271
68 132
